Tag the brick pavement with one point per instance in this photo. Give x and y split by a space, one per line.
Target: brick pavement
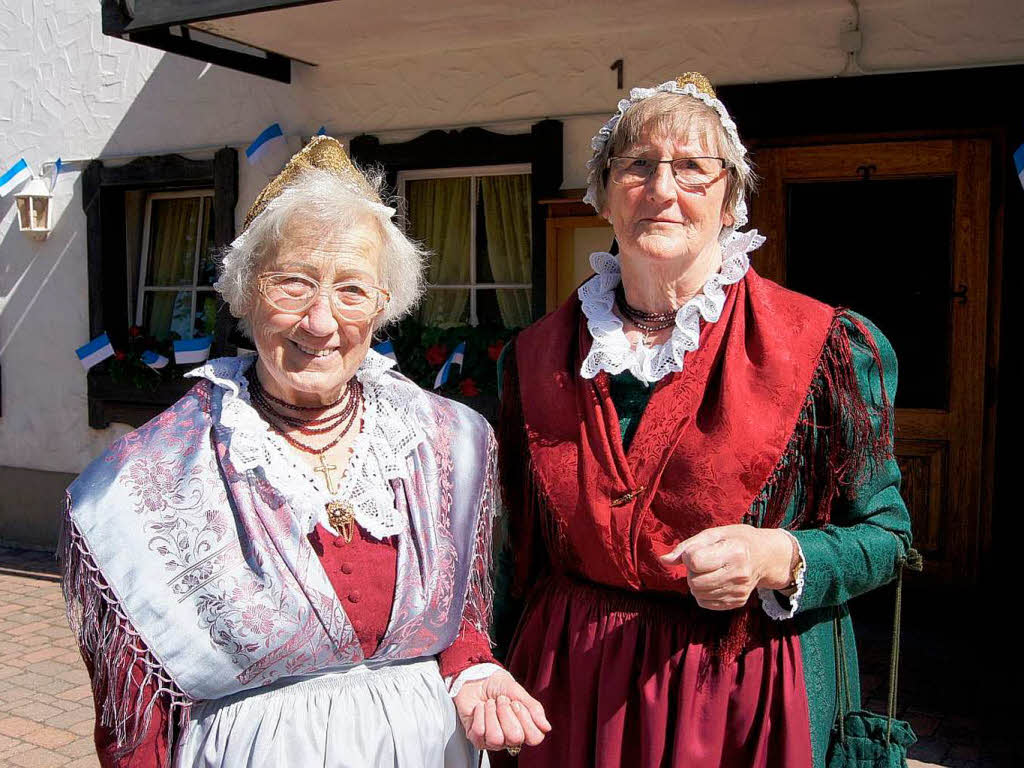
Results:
46 711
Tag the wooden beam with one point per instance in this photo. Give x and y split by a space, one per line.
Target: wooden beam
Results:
154 14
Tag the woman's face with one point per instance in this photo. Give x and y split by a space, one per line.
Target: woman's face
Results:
308 358
660 220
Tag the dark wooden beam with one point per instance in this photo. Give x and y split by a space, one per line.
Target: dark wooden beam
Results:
272 66
154 14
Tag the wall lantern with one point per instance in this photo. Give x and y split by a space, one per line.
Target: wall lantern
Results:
35 212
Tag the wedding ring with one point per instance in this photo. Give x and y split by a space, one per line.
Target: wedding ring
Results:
513 750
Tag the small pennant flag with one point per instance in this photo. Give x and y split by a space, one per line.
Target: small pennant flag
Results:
96 351
1018 161
192 350
154 360
454 359
16 175
268 149
54 173
322 131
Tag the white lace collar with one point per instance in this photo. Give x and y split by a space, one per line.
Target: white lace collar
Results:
612 351
391 431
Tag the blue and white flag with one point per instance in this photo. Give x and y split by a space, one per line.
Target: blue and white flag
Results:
454 359
195 350
54 173
96 351
154 360
267 143
322 131
387 349
16 175
1018 160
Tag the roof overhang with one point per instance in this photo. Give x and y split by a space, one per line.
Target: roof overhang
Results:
168 25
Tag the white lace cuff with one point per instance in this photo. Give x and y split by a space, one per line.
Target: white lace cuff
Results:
468 675
770 601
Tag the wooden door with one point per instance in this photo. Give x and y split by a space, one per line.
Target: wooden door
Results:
899 232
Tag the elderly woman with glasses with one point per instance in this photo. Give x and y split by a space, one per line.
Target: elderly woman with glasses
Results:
290 566
698 470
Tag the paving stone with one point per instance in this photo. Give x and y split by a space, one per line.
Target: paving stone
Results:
49 737
40 757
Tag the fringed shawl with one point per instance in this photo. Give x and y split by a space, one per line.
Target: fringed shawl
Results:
198 576
765 412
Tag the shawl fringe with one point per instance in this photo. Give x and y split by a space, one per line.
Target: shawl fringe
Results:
835 439
114 650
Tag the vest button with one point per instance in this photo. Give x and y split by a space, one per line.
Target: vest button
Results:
346 568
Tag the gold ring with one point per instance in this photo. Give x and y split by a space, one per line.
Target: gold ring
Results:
513 750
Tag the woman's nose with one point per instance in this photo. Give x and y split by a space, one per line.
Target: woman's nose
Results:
319 319
662 184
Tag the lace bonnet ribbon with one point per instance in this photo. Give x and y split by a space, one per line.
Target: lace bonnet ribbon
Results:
692 84
322 153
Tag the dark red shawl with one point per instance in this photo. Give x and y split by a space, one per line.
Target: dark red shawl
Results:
765 408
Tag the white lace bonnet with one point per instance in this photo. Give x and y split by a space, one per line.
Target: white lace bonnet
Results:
688 84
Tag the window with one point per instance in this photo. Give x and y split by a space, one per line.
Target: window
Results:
177 267
476 221
151 225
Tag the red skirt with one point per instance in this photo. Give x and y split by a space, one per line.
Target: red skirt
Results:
621 680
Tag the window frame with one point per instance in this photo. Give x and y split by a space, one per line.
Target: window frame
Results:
473 173
110 308
144 253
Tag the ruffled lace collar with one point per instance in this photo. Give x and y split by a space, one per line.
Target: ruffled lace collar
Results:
391 431
612 351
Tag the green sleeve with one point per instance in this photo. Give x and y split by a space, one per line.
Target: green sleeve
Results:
870 529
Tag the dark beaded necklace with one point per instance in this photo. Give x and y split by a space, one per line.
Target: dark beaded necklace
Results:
649 322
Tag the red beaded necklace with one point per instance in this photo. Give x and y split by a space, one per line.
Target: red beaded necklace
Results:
340 514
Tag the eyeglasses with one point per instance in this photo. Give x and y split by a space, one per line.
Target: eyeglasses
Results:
687 171
352 299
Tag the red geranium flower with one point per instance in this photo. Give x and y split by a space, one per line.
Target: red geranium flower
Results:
494 349
469 388
135 331
120 355
437 354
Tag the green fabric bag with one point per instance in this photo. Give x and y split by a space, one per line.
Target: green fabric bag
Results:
862 739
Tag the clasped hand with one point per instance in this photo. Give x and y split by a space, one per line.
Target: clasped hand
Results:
725 564
497 713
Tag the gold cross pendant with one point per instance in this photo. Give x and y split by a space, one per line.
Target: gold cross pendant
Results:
326 469
342 518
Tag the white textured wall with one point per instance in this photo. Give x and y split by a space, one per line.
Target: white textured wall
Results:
67 89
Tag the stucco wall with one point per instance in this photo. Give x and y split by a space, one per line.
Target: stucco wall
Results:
66 89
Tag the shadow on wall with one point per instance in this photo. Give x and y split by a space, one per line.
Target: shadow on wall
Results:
45 439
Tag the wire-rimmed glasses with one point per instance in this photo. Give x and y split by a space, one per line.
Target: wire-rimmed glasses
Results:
352 299
687 171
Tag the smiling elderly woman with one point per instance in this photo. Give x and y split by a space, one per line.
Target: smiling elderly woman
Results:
698 470
284 567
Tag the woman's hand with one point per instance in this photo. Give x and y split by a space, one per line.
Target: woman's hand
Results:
497 712
725 564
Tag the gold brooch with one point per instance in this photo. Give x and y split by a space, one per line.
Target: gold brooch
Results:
341 516
699 81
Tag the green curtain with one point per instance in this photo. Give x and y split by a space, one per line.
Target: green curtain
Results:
439 217
438 214
507 219
172 252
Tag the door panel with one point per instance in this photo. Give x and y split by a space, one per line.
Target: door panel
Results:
898 231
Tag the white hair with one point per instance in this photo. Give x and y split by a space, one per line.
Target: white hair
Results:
325 204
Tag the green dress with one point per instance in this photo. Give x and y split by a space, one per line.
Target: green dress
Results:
857 552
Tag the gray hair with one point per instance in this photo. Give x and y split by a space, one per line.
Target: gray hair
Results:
680 114
327 203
